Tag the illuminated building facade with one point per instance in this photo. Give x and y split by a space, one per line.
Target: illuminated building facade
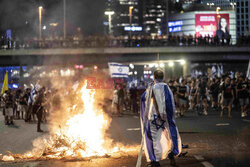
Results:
127 13
155 17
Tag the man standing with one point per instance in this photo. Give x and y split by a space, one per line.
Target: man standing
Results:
161 138
203 94
9 103
242 94
215 86
228 97
133 98
38 108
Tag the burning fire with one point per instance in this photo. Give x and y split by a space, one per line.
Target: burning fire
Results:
81 136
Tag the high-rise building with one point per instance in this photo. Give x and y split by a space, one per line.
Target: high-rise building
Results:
242 17
155 17
223 4
126 14
147 17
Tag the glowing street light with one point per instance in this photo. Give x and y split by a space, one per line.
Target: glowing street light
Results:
182 62
40 8
162 65
130 23
64 20
53 24
109 14
151 65
217 11
130 14
210 4
233 4
171 64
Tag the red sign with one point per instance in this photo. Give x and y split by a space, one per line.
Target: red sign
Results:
209 24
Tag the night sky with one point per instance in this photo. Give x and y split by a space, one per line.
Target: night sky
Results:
22 15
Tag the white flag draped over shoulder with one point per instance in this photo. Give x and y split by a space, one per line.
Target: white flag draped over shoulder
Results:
159 130
118 70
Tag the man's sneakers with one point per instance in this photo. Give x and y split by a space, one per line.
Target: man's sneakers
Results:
153 164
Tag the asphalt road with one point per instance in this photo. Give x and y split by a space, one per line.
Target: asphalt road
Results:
212 141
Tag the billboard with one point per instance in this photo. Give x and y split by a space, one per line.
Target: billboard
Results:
212 25
175 26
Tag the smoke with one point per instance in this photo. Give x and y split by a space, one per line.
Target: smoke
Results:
22 16
17 15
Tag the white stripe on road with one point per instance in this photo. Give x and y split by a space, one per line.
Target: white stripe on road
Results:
222 124
198 157
246 120
133 129
207 164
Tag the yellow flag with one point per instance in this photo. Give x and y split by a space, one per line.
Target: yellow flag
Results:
5 83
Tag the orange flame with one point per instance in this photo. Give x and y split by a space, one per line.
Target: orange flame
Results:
81 136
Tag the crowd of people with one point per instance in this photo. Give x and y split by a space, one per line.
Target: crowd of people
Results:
30 105
121 41
202 94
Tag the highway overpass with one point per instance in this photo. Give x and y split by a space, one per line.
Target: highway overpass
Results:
64 56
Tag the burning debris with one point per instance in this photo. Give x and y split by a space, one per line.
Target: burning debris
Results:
80 135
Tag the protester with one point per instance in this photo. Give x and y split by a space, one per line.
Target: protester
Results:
161 135
242 94
9 104
133 98
193 95
228 97
182 97
38 108
202 94
215 92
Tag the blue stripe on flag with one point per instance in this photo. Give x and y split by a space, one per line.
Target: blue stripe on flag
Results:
148 136
119 65
171 123
118 74
143 99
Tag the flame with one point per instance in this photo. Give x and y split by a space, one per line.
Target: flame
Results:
81 135
87 127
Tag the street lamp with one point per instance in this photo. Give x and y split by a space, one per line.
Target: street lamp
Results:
64 19
109 14
171 64
217 11
210 4
40 8
130 23
130 14
182 62
233 4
